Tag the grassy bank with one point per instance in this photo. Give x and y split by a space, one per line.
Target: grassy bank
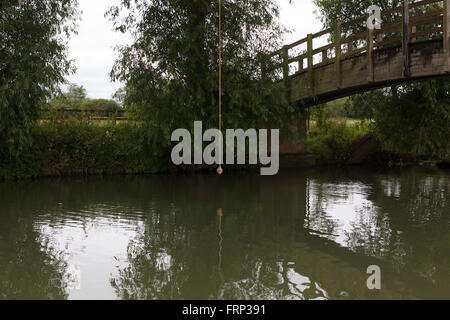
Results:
80 148
73 148
77 148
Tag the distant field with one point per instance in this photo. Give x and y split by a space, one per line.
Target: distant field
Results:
100 123
348 122
107 122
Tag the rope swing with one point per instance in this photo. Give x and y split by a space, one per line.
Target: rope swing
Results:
220 170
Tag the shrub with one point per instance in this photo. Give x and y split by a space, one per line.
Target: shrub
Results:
76 148
100 105
332 140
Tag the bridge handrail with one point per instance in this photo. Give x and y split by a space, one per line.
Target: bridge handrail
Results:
423 3
405 30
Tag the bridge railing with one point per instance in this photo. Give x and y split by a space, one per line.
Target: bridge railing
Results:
409 23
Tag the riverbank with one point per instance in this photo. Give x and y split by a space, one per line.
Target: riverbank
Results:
80 149
77 148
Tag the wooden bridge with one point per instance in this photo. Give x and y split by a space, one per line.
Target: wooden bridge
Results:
412 44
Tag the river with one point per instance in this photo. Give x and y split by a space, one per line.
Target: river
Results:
303 234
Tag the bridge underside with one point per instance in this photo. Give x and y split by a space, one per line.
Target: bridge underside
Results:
427 59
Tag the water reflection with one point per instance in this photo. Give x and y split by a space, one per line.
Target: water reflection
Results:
299 235
34 269
222 279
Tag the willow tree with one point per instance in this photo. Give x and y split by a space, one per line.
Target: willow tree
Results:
33 62
171 68
412 118
332 11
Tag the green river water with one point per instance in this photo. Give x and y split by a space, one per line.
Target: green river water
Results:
303 234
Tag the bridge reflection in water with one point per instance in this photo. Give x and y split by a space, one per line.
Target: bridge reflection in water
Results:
297 235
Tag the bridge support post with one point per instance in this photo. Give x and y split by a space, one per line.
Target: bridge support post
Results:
446 36
405 40
293 136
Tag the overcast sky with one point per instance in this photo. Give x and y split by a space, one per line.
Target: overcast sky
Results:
93 47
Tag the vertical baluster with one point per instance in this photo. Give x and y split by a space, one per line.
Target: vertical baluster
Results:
379 39
310 65
285 56
338 32
370 54
324 56
300 64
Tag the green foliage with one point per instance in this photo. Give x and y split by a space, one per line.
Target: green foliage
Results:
337 108
77 148
333 109
364 106
75 99
76 95
331 141
100 105
171 69
412 120
332 11
33 62
120 95
72 99
416 120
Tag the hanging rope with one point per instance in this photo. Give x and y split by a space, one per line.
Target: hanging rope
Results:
220 170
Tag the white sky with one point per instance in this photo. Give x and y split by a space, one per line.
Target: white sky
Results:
93 50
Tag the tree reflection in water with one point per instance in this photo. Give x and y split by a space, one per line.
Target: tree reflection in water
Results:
402 218
30 266
273 281
157 267
222 279
277 249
